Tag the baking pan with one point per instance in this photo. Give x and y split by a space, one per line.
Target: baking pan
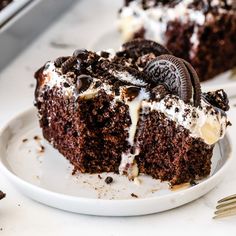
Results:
23 20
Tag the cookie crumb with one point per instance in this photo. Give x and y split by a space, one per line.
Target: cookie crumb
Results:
42 149
108 180
36 137
134 195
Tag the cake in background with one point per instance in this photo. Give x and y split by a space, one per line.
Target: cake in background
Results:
4 3
203 32
139 110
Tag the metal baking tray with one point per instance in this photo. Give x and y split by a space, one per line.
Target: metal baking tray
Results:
23 20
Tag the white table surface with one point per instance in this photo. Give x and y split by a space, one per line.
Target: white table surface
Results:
22 216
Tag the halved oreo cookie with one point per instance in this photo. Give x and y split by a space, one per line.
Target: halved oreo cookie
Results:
195 83
139 47
172 73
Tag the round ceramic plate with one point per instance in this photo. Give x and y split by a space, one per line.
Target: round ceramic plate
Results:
226 81
44 175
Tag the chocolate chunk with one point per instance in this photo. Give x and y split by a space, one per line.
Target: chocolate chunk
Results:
134 195
139 47
2 195
60 60
108 180
195 83
159 92
131 93
81 54
143 60
170 71
83 82
218 99
68 64
105 54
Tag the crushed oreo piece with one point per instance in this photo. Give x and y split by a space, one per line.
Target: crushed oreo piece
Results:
66 85
2 195
59 61
81 54
108 180
139 47
105 54
68 64
218 99
83 82
170 71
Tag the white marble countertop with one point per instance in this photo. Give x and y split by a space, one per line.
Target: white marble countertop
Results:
22 216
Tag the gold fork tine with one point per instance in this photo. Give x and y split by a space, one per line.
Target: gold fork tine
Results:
225 214
226 204
227 198
225 210
226 207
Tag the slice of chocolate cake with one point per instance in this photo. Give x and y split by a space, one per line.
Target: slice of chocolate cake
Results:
139 110
203 32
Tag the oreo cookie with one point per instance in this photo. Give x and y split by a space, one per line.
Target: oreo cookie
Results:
172 73
83 82
218 99
139 47
195 83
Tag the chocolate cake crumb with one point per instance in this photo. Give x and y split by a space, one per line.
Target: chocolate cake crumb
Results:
36 137
99 176
134 195
42 149
2 195
108 180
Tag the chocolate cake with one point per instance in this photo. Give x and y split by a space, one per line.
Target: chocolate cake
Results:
203 32
4 3
139 110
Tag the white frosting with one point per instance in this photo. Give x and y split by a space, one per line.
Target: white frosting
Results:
134 108
127 77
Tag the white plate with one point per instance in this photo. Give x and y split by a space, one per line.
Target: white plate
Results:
226 81
45 176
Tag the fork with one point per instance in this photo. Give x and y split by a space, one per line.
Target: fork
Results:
226 207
